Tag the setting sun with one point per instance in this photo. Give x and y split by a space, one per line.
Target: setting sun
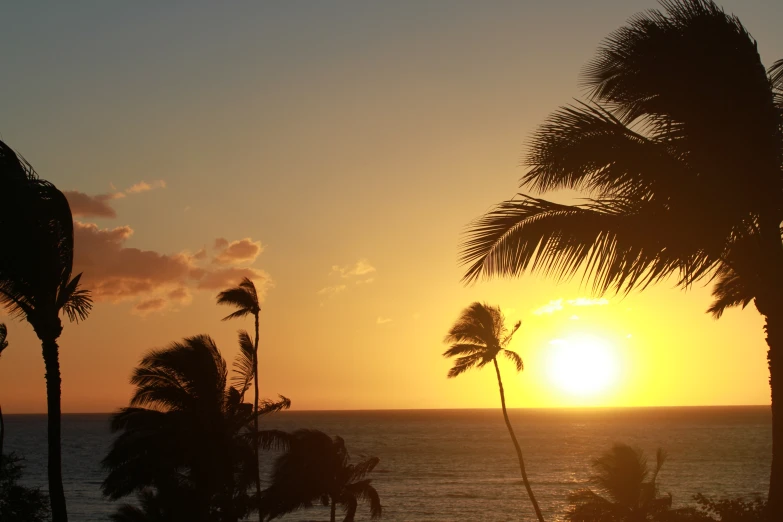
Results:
582 365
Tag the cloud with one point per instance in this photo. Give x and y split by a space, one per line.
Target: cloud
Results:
557 304
83 205
116 273
383 320
149 305
551 307
224 277
241 251
362 267
586 301
143 186
331 291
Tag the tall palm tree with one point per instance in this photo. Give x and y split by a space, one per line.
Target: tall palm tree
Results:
35 282
184 435
244 298
476 339
621 474
317 469
679 150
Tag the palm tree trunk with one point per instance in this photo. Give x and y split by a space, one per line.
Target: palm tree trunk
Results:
516 446
333 516
774 330
255 418
53 381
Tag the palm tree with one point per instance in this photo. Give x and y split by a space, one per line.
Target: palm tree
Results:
245 299
317 468
679 150
621 475
35 282
3 346
476 339
184 435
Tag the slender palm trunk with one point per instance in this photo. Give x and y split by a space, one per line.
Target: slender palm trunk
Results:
333 516
516 447
255 418
53 381
774 330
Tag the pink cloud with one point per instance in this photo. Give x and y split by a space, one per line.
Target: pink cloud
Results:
115 272
225 277
155 280
83 205
241 251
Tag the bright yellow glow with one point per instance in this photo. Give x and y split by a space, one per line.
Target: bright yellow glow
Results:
582 365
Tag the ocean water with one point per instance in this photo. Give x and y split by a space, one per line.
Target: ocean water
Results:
441 465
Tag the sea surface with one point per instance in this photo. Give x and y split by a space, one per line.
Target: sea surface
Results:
441 465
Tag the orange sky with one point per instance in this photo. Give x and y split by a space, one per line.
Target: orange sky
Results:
334 153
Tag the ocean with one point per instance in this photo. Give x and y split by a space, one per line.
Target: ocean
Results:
442 465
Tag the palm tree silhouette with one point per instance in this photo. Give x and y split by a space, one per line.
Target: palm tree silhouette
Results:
245 299
621 475
679 150
3 346
184 435
476 339
36 284
316 468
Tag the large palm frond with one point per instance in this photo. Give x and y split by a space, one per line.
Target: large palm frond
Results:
243 363
619 244
243 297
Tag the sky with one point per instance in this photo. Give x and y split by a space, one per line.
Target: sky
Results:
334 152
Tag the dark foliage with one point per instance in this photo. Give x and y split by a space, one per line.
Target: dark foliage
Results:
186 435
18 503
316 468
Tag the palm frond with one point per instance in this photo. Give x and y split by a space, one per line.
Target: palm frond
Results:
729 290
274 440
463 364
243 363
515 358
74 301
363 468
478 324
464 349
244 297
585 147
619 244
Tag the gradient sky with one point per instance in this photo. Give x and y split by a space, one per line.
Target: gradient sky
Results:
336 151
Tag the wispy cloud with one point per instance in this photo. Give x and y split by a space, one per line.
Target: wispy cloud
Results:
556 305
360 268
143 186
383 320
549 308
331 291
587 301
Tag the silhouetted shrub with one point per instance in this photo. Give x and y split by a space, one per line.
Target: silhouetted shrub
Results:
734 510
18 503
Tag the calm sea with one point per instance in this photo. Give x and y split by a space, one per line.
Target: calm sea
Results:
440 465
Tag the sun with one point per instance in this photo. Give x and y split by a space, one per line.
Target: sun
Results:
582 365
